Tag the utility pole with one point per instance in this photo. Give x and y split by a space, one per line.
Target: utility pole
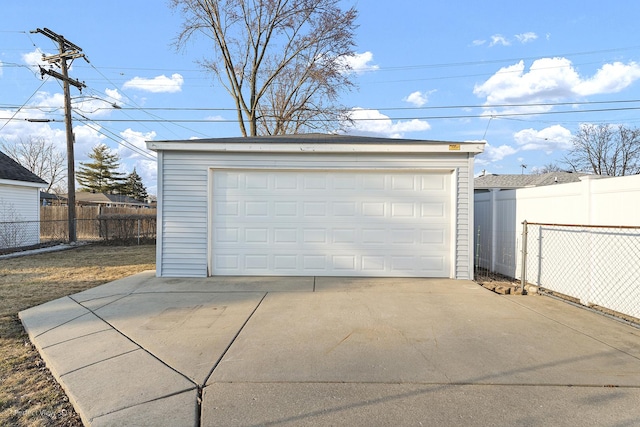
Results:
67 51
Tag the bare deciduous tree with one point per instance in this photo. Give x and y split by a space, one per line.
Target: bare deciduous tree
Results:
41 157
605 150
282 61
549 167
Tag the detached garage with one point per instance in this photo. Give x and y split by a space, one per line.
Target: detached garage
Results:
315 205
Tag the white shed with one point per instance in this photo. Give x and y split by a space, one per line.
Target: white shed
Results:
315 205
19 204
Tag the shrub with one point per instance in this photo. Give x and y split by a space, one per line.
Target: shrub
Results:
128 228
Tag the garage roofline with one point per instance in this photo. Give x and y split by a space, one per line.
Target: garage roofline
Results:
317 144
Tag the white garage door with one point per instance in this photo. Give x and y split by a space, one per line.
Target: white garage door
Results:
331 223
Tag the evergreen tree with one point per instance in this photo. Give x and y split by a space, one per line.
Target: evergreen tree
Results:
101 175
134 187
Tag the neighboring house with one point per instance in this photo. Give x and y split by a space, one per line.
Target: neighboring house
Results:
315 205
152 201
19 204
488 182
51 199
84 198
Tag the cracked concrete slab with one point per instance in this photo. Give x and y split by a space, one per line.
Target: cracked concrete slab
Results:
310 351
121 382
187 331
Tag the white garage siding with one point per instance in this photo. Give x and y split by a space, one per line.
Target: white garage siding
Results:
186 211
464 221
182 215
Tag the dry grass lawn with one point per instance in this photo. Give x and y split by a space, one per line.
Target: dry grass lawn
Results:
29 396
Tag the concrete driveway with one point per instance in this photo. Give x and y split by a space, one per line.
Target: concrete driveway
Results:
147 351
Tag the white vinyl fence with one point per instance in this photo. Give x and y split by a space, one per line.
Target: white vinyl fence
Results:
611 202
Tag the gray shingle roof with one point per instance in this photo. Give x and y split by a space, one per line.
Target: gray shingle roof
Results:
311 138
520 181
104 198
14 171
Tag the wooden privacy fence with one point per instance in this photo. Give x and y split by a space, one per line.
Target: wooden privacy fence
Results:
98 223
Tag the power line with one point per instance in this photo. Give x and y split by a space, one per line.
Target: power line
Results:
23 105
119 140
140 109
378 108
421 66
457 116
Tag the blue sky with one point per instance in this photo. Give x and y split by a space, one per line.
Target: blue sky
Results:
521 75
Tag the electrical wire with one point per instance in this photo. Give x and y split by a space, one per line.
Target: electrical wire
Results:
28 99
377 108
456 116
133 102
513 115
116 138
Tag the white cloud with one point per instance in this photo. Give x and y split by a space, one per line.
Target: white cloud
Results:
46 99
499 39
159 84
87 137
495 154
358 63
1 68
148 171
18 128
374 123
34 59
137 140
549 139
113 96
526 37
611 78
417 98
98 106
551 80
146 167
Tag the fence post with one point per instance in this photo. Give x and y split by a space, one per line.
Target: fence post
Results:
523 273
138 231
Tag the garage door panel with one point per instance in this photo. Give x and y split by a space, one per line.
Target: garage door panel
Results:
256 262
331 265
432 182
331 223
235 238
432 263
434 210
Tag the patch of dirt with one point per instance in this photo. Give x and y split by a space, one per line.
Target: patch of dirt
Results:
504 285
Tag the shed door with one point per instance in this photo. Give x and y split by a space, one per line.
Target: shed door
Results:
331 223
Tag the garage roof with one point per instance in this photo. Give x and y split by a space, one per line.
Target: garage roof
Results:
14 171
317 143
